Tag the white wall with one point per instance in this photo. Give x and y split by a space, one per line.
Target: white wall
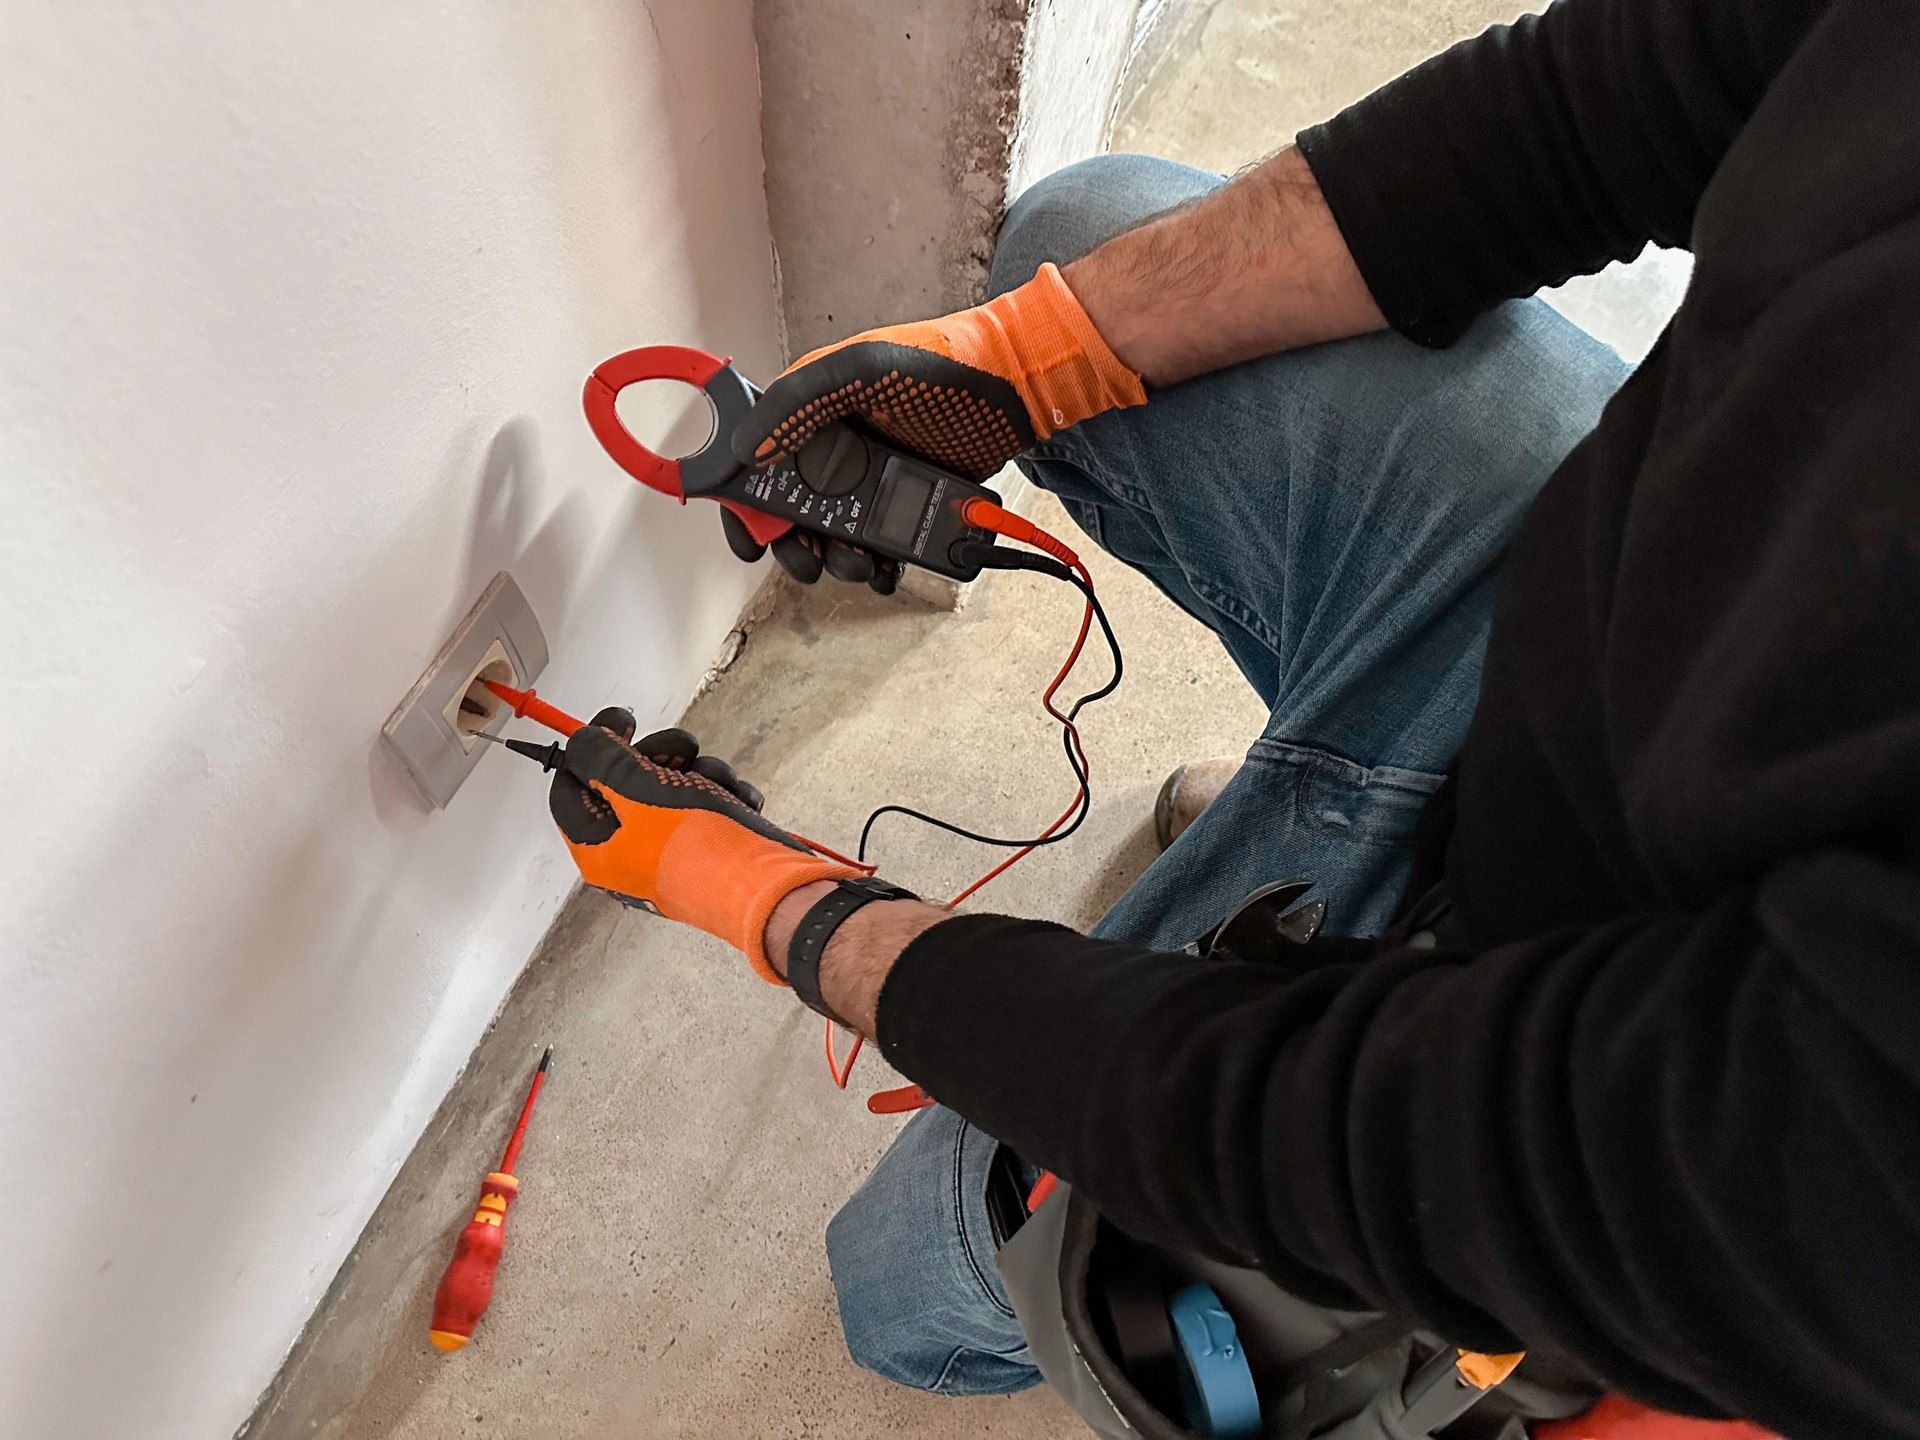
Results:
295 307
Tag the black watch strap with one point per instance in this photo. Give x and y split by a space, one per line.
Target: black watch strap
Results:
809 941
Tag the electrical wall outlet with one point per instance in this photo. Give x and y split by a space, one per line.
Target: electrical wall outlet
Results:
432 733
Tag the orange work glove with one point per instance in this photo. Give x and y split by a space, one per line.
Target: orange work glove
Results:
673 831
968 391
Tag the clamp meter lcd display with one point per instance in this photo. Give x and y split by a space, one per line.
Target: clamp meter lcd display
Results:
844 484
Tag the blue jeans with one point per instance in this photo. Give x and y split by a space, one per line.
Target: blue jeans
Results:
1336 515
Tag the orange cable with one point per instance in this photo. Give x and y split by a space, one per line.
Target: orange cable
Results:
838 1071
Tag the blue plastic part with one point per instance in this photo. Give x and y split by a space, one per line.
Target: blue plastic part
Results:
1214 1378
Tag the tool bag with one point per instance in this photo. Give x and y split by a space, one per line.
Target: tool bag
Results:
1073 1278
1320 1373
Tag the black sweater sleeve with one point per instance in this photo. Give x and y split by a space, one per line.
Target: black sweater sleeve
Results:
1544 149
1679 1148
1667 1119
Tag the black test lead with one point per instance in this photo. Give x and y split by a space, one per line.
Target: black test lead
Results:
548 757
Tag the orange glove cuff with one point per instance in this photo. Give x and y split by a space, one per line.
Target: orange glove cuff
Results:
703 869
1038 338
1056 359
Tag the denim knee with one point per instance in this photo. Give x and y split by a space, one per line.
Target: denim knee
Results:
1063 216
913 1271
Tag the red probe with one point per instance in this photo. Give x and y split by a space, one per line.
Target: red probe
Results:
532 707
467 1287
526 703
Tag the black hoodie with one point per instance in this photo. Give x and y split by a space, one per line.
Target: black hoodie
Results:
1659 1107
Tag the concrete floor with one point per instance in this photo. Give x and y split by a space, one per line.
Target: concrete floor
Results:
1222 83
665 1275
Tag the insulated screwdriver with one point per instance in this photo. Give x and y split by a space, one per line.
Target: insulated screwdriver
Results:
466 1289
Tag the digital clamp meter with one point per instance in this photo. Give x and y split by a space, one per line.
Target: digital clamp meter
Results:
844 484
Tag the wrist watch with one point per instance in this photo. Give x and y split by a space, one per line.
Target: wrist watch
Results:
809 941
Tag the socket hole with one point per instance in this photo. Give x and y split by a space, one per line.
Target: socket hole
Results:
479 705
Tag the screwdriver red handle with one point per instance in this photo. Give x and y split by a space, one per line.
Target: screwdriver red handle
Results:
467 1287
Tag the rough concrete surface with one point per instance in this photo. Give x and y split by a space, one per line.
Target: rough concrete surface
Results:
1222 83
1076 59
664 1273
886 129
893 131
1225 82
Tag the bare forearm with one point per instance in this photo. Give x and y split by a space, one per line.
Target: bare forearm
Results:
861 952
1257 267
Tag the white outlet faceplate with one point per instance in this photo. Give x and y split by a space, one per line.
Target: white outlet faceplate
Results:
424 733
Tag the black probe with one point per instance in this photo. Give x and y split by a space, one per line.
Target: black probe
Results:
547 757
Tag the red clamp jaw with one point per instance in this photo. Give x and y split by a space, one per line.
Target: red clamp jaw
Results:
708 469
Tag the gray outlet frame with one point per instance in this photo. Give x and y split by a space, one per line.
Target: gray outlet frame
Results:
429 751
